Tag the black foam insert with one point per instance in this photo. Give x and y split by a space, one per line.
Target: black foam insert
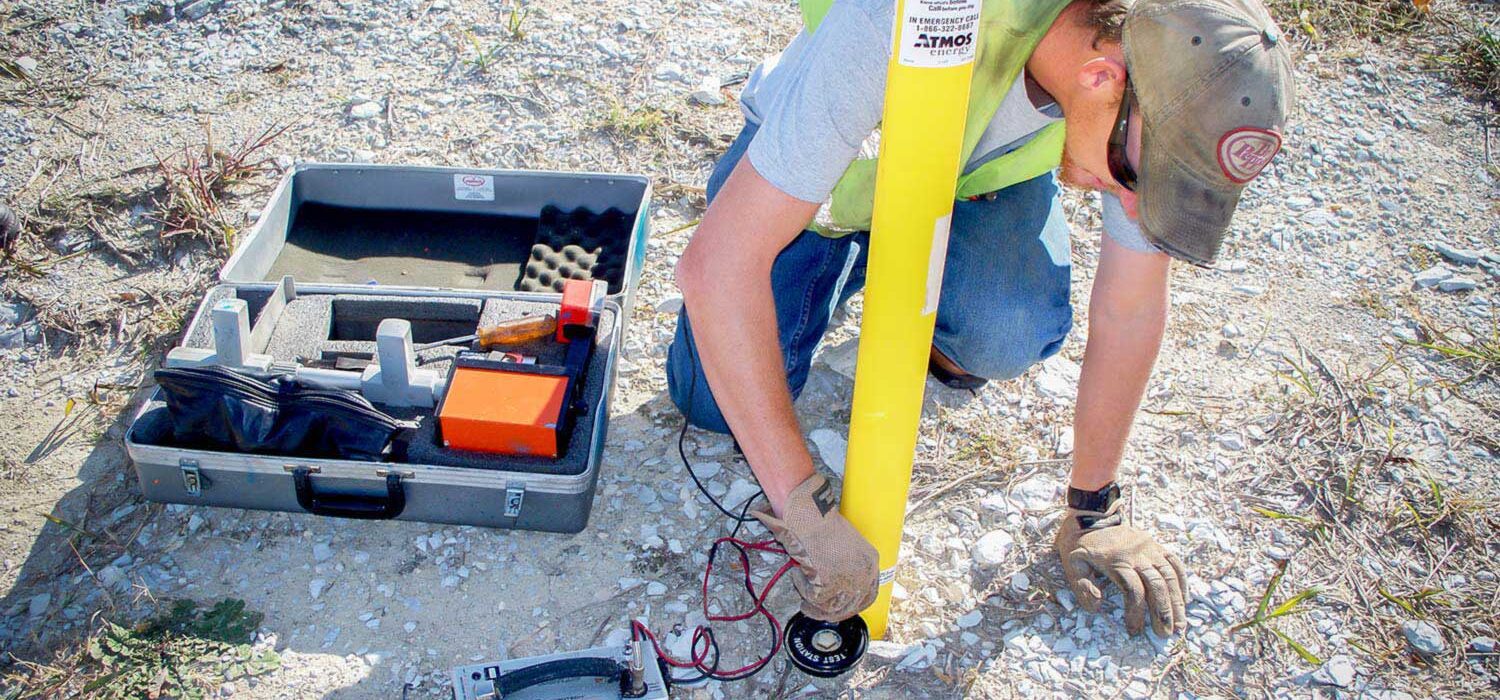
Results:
580 245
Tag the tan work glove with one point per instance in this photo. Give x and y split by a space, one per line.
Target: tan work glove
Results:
1148 574
838 572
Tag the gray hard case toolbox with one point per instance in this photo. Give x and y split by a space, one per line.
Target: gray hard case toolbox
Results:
417 241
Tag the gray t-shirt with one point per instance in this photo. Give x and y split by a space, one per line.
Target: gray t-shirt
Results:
819 102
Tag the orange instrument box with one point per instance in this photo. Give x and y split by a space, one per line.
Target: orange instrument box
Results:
505 412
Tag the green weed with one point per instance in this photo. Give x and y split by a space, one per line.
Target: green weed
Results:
638 122
518 15
185 652
182 653
1264 614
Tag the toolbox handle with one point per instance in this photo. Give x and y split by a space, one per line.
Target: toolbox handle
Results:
350 506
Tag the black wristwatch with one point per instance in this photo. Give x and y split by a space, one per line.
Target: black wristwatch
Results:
1097 501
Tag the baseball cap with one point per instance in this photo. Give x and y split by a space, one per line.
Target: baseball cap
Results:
1213 81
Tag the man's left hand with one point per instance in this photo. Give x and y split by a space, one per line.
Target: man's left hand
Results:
1150 576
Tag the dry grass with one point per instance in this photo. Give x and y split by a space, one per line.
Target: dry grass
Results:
1455 37
194 181
1380 538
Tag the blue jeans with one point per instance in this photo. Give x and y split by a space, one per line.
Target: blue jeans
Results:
1004 303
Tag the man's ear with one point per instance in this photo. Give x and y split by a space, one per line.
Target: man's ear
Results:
1102 72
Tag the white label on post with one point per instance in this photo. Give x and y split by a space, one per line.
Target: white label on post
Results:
935 262
474 188
939 33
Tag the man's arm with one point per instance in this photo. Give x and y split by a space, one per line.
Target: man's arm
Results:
725 277
1127 316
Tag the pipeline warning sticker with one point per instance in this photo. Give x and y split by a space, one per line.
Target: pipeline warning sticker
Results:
939 33
935 261
887 575
474 188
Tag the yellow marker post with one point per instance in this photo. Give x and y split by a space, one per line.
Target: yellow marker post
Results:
926 100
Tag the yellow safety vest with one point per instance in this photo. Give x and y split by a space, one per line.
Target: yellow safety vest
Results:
1009 31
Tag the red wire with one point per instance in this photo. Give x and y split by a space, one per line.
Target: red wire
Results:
702 632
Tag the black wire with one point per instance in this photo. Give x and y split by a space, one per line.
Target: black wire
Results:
682 453
739 523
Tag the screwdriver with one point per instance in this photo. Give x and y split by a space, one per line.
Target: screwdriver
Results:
509 332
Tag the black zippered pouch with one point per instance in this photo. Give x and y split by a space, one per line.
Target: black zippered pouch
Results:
220 409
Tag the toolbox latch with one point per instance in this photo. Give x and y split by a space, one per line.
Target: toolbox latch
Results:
192 479
514 494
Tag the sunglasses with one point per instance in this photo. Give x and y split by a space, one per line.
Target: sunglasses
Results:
1119 159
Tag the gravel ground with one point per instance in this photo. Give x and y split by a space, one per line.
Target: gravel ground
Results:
1297 435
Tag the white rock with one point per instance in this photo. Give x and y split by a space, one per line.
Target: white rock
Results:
668 70
842 357
1433 275
368 109
832 448
617 637
920 657
670 305
970 619
1231 331
316 587
993 547
1462 256
1338 671
1020 582
1231 441
27 64
656 588
1039 493
680 646
322 552
739 492
38 604
707 470
111 576
1064 444
1457 284
889 651
1483 645
708 92
1424 637
1058 378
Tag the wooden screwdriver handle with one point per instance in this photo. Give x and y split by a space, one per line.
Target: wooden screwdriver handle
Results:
517 331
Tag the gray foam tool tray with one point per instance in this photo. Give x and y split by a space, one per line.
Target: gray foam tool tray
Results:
577 244
354 245
304 330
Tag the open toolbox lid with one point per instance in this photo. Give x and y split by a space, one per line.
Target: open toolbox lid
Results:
398 226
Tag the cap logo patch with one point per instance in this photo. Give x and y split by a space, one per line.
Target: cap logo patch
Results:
1246 151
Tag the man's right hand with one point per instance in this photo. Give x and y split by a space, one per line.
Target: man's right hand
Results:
838 572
